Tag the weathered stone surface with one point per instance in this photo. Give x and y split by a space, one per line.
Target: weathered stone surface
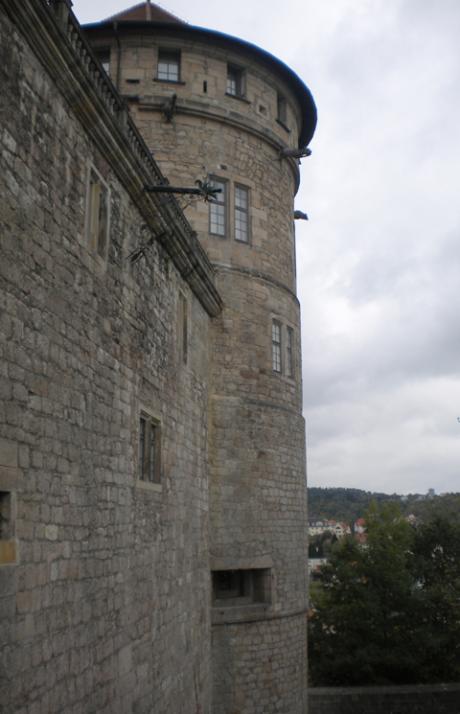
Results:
107 605
108 609
257 437
413 699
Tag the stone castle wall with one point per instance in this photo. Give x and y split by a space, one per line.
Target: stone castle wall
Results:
256 437
104 602
110 587
414 699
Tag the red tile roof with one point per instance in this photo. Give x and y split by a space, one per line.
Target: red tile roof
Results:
145 12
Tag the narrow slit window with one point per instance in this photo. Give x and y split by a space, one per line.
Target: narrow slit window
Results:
6 530
242 214
183 327
149 449
289 352
276 346
218 210
281 109
168 66
98 215
8 554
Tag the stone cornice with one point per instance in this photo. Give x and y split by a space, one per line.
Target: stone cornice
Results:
257 275
54 34
238 121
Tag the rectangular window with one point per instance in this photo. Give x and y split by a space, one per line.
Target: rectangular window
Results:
103 55
168 66
241 587
98 206
235 81
276 346
149 449
183 327
6 521
7 541
281 109
289 352
242 214
218 209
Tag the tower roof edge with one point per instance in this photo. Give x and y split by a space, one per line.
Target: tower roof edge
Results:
144 12
179 28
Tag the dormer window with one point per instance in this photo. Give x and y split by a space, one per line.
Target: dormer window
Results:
103 55
168 66
235 81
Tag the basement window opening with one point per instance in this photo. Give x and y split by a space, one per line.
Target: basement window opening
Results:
241 587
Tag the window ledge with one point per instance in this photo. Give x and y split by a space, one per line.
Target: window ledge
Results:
239 97
239 613
149 486
168 81
283 125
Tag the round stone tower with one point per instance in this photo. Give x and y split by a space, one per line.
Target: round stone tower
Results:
214 107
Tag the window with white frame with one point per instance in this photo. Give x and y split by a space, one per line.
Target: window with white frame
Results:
98 214
276 346
149 449
168 66
289 352
218 209
242 214
235 81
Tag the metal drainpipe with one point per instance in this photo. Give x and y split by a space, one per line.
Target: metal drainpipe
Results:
117 39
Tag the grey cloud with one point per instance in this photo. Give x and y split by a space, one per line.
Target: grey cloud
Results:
378 262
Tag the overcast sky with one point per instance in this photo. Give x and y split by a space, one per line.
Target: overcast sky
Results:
379 260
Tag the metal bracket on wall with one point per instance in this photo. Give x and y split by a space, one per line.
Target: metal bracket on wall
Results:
203 189
169 108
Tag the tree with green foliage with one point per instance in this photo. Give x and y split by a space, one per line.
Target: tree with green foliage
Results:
436 572
348 504
388 612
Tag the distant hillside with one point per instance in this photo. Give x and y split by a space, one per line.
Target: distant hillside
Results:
348 504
